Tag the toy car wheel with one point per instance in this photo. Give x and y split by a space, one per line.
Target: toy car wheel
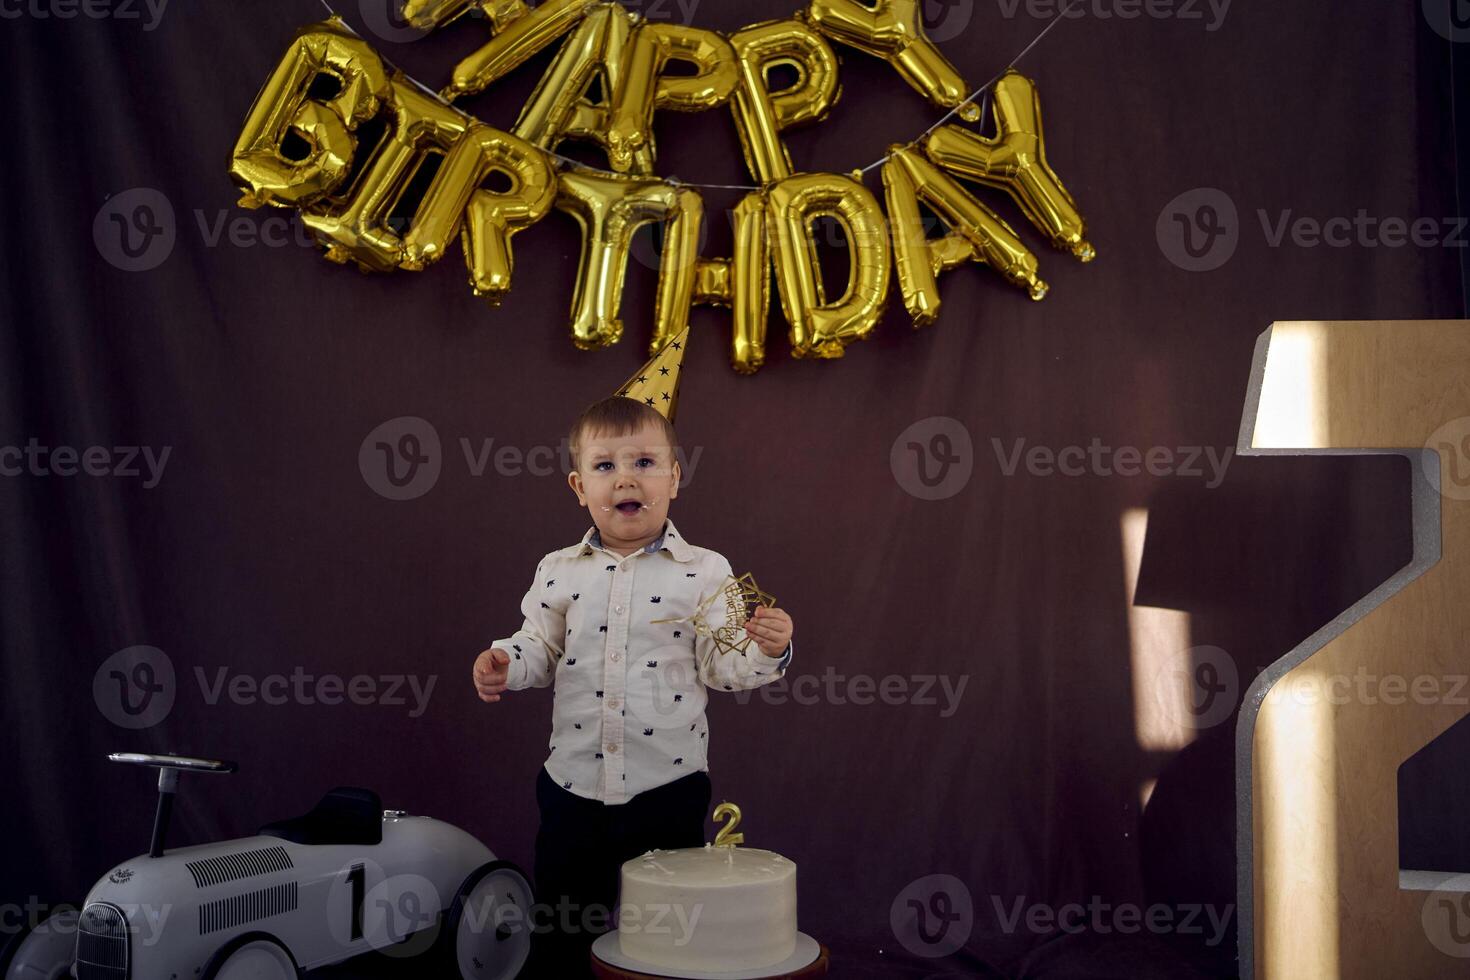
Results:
488 931
253 956
44 952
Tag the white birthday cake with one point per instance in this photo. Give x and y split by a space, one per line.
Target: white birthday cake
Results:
710 908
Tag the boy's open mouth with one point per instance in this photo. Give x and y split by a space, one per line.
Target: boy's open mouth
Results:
629 507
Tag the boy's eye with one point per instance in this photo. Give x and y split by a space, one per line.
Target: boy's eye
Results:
644 462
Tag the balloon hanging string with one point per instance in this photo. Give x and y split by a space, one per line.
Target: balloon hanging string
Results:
982 93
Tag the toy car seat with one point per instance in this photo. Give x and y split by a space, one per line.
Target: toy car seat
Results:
346 815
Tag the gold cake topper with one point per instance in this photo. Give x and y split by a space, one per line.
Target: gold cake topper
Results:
741 597
727 836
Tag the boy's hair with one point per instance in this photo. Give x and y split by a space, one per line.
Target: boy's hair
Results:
617 416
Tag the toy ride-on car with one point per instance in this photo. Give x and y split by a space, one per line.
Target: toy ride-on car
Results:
346 878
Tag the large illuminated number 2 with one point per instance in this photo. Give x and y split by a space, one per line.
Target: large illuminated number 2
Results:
1321 892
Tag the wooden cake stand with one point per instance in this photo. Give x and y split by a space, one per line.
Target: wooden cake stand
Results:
606 971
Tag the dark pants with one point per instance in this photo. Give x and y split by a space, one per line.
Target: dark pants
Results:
580 849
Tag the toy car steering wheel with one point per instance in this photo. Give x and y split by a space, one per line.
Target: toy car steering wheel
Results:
180 762
169 767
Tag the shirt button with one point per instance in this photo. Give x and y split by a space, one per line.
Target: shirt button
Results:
613 702
616 656
612 747
617 608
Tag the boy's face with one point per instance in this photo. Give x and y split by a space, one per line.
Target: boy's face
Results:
627 483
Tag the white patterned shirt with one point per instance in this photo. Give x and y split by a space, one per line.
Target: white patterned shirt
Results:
628 710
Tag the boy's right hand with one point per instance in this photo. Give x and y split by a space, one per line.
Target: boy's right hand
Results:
492 669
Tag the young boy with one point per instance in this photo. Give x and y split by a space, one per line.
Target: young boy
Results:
610 621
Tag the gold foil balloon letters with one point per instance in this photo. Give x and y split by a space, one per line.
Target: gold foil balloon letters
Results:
356 228
645 87
909 177
760 113
894 31
519 32
742 283
1015 160
489 218
610 209
819 327
324 125
307 143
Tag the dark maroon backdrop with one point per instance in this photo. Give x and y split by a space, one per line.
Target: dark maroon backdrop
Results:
264 550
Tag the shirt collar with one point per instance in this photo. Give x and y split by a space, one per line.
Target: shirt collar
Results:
669 540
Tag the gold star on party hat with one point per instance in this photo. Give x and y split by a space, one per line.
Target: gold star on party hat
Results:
657 383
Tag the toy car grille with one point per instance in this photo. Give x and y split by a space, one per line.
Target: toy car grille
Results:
241 864
102 943
226 913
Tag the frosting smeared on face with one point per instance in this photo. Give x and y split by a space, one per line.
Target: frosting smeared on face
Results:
627 483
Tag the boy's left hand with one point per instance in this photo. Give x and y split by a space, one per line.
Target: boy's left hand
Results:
771 629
